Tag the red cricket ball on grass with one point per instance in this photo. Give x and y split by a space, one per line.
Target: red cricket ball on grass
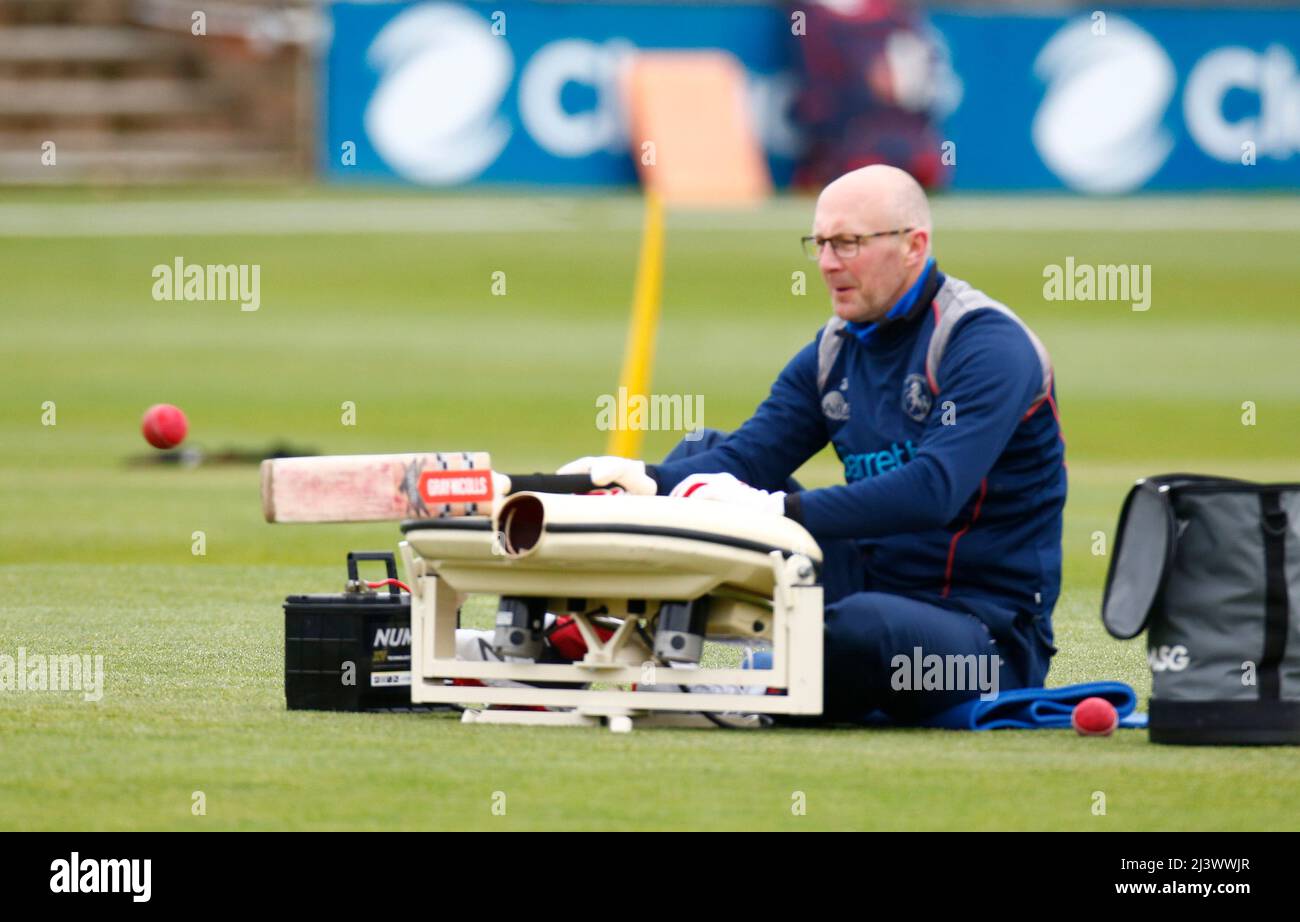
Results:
1094 717
164 426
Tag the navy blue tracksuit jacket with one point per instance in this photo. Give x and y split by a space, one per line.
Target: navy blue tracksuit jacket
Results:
944 417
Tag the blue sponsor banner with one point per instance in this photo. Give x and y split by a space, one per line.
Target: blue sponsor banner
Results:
1120 101
443 93
447 93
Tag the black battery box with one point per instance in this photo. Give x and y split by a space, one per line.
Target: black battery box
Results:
350 651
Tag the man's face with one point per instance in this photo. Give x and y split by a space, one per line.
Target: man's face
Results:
864 286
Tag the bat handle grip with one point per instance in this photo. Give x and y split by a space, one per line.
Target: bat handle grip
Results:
551 483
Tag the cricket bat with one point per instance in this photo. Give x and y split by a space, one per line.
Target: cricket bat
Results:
379 488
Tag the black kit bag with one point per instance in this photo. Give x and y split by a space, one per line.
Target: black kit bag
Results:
1210 568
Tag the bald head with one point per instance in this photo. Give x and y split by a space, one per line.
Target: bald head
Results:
869 269
881 197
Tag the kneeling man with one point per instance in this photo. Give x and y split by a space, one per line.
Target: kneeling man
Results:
945 539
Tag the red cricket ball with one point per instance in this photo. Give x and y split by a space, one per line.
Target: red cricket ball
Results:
164 426
1094 717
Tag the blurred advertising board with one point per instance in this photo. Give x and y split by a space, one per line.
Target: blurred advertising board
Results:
449 93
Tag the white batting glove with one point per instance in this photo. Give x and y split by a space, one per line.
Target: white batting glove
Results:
612 471
725 488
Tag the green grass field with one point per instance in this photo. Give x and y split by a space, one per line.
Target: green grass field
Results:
385 299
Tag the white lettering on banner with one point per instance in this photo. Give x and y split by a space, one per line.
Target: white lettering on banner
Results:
771 104
541 107
1271 76
770 98
434 116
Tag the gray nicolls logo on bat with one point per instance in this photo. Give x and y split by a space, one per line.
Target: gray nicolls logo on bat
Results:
410 488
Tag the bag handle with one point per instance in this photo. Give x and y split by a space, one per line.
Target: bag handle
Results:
390 566
1140 560
1276 602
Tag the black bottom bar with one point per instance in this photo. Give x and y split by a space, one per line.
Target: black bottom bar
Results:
1225 723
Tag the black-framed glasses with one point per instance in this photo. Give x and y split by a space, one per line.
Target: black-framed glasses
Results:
845 245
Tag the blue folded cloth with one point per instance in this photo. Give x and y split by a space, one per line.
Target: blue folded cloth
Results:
1018 709
1038 708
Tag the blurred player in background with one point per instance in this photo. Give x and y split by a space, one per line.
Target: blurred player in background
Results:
875 82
